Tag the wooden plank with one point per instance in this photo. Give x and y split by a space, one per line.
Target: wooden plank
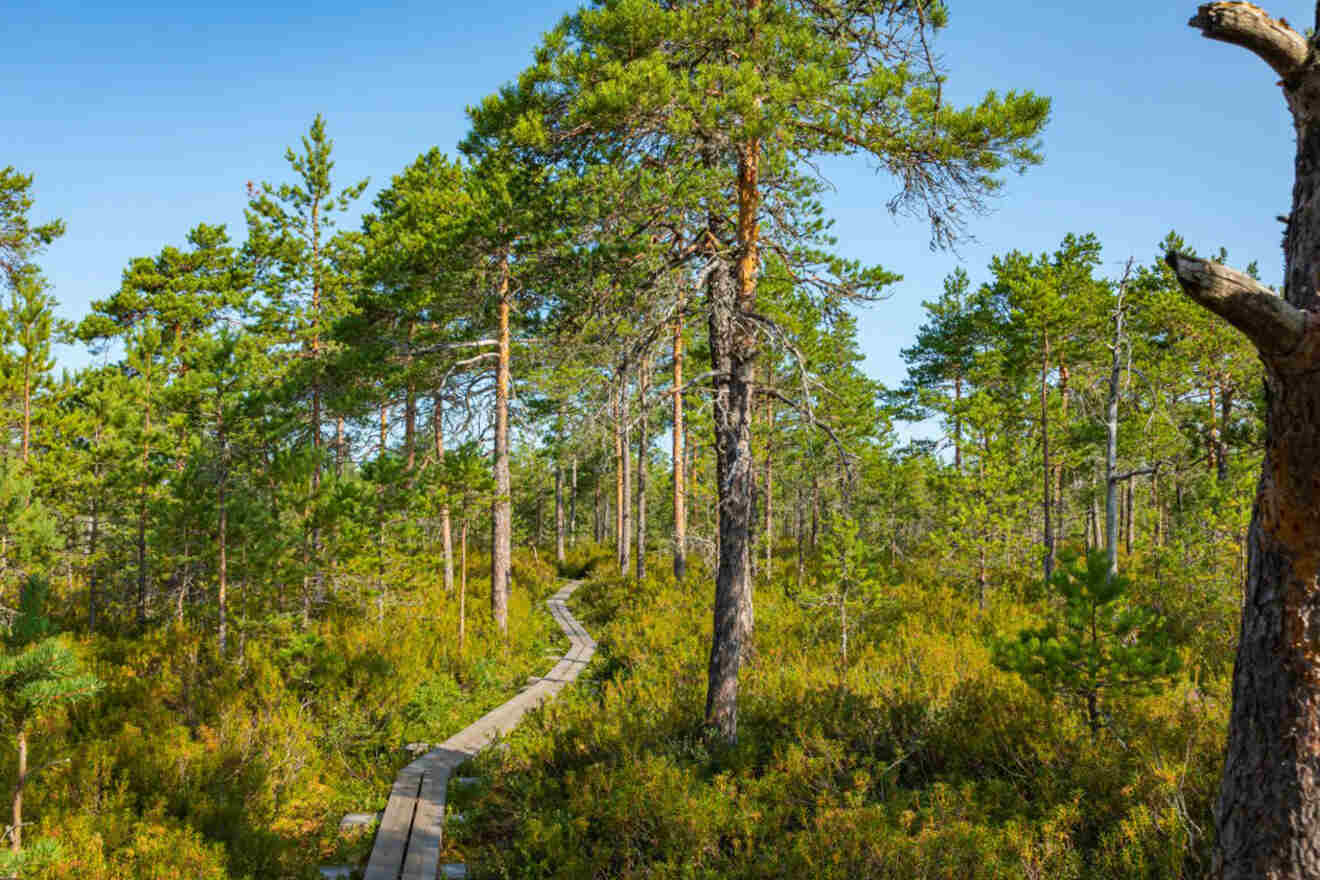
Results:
428 827
411 831
395 828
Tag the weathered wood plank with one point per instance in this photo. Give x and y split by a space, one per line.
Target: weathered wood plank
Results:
411 831
395 828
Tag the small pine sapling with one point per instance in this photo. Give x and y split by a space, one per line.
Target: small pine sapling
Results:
848 586
1098 642
38 675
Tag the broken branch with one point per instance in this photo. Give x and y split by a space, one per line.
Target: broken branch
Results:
1271 323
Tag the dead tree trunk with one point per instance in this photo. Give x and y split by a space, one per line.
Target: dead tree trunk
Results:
446 531
1047 559
1267 822
625 491
643 440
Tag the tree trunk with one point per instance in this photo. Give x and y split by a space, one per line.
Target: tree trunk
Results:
620 539
222 563
410 426
1212 435
1111 439
626 493
446 531
572 503
801 535
142 509
769 529
1130 514
732 352
27 408
16 838
537 520
462 587
679 453
1267 821
731 359
957 422
1221 451
501 552
1047 559
643 440
597 515
559 513
1060 528
92 566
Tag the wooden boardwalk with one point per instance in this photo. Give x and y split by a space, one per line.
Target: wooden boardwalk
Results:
408 841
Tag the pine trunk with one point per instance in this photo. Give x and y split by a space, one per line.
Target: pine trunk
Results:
769 529
446 530
462 587
1047 559
619 537
16 837
1268 814
679 453
733 350
625 492
501 552
559 513
643 438
222 563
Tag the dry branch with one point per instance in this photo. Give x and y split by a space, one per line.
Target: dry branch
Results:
1271 323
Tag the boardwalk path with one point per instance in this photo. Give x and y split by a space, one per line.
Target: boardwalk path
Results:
408 842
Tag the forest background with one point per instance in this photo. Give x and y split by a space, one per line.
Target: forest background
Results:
266 515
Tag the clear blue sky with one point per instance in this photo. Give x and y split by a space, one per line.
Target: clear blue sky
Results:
142 120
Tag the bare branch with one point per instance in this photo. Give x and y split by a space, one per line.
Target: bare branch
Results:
1139 472
1271 323
1249 26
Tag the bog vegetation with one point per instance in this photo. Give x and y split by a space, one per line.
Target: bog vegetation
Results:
305 507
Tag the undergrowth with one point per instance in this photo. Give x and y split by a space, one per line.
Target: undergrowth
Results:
919 760
194 766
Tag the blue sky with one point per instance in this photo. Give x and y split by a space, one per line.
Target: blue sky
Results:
142 120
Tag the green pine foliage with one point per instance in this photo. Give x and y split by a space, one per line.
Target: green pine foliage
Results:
1097 646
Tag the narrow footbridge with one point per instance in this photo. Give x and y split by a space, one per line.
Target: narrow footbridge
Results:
408 841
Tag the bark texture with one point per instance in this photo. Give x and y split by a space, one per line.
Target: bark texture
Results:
1268 815
731 353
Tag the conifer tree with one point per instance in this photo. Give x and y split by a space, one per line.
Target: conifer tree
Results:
302 271
747 90
1098 646
38 674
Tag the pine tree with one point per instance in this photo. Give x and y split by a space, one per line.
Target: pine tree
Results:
39 674
302 272
743 92
1098 644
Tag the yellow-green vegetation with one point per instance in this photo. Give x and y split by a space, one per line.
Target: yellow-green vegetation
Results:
189 766
926 761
